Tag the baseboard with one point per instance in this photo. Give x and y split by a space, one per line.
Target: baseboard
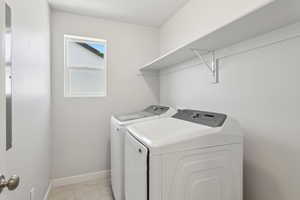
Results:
46 196
80 178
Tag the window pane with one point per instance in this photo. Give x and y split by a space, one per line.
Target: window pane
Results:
87 82
84 54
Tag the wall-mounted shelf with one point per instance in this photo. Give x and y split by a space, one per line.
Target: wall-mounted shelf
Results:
276 14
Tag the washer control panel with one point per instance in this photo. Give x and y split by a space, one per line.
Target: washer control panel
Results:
201 117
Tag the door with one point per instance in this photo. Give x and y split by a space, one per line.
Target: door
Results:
5 99
3 195
136 169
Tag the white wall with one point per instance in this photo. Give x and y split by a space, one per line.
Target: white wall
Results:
199 17
260 88
81 126
30 156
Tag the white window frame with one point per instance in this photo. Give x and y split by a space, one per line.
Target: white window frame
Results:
67 68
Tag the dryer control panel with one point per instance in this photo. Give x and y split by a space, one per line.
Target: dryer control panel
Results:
201 117
156 109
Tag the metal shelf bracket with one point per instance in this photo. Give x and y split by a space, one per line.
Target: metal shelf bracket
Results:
212 66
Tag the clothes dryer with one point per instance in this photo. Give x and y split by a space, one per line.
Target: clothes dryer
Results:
190 156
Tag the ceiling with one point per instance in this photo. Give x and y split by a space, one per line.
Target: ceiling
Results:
144 12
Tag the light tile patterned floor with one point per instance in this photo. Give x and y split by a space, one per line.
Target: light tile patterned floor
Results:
91 190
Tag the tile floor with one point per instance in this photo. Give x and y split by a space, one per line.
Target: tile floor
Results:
92 190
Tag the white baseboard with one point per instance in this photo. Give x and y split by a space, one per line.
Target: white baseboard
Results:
80 178
46 197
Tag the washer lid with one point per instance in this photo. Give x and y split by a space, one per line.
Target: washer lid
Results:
133 116
150 111
169 132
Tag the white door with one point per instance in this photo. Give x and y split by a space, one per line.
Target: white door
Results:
2 98
5 182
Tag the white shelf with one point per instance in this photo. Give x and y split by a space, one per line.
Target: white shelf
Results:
275 15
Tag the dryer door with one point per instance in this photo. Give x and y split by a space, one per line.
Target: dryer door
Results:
136 172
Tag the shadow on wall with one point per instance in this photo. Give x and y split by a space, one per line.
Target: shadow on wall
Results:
152 82
108 153
265 182
274 180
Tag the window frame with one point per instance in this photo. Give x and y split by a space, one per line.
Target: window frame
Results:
68 68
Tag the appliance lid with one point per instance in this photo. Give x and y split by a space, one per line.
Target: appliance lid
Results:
133 116
164 132
150 111
159 132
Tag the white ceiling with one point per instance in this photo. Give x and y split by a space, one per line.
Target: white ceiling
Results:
145 12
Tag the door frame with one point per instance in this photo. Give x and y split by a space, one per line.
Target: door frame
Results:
3 169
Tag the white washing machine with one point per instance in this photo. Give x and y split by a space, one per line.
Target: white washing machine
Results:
118 131
193 155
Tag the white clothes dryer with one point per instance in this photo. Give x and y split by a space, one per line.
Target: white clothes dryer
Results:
190 156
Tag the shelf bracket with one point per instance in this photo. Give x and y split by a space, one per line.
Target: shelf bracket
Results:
212 66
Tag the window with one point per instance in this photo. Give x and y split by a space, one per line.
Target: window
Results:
85 67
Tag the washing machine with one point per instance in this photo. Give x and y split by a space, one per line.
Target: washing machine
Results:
118 130
192 155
